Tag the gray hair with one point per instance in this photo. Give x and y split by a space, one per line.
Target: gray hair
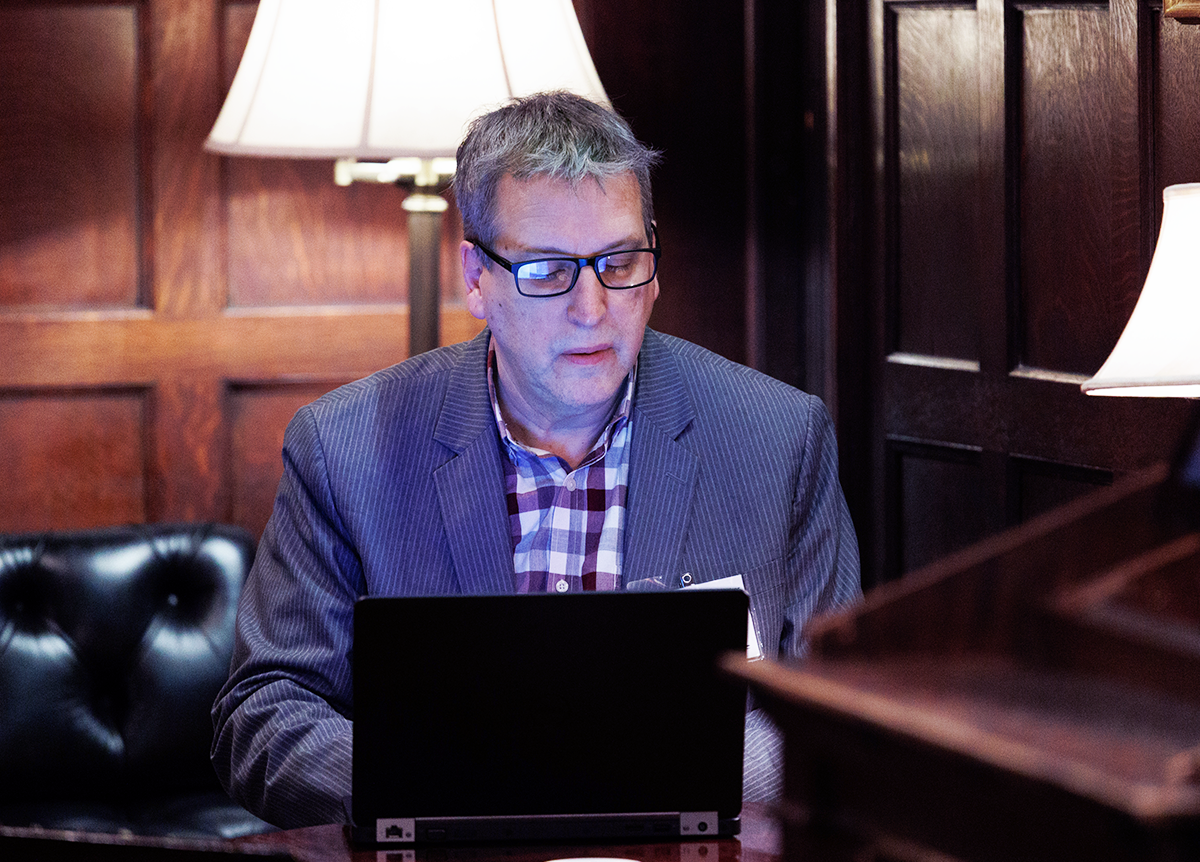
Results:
557 134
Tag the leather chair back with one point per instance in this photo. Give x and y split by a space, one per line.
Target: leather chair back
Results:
113 645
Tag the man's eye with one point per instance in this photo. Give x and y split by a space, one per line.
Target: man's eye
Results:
619 261
548 270
617 265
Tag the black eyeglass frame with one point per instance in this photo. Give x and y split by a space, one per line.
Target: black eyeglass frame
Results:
580 263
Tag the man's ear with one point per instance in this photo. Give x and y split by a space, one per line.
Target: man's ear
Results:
472 267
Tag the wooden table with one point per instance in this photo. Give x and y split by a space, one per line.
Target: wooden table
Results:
759 842
1034 697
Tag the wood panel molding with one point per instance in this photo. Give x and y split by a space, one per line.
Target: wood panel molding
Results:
101 349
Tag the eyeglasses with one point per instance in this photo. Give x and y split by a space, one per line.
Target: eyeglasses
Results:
553 276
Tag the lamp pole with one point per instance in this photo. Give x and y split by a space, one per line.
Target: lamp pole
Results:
426 211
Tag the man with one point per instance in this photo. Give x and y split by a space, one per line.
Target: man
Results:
566 447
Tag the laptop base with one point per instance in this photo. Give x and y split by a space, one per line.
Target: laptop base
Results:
407 831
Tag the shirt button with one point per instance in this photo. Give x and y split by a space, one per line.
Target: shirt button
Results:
562 586
570 483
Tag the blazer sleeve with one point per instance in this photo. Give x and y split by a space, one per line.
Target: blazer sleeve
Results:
282 723
823 562
822 574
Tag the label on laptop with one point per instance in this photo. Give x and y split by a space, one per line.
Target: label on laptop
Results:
734 582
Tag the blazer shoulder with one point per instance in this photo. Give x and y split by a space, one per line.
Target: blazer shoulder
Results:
401 405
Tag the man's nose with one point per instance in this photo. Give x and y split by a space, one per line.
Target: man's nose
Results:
589 298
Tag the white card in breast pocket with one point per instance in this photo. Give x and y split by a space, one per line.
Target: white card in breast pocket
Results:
735 582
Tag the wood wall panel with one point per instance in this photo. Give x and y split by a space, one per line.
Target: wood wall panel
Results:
676 70
939 500
183 255
1176 88
1038 485
294 238
69 157
189 449
936 302
83 465
258 415
1069 318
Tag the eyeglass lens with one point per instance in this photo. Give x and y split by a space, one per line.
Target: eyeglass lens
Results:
617 270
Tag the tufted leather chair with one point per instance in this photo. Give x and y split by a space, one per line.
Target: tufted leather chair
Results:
113 645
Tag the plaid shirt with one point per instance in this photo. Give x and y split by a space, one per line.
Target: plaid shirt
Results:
567 525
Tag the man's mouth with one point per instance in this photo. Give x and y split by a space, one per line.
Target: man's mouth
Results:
587 355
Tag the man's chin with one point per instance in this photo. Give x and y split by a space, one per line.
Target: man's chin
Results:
592 394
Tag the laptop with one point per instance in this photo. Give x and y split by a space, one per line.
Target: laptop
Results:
547 717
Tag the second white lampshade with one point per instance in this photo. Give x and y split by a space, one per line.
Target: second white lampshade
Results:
1158 353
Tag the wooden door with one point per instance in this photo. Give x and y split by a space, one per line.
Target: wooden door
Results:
1020 151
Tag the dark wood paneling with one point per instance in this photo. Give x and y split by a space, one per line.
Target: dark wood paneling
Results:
1176 88
258 415
936 80
1031 417
295 238
675 70
1069 317
182 259
787 242
74 459
188 449
1038 486
939 503
69 157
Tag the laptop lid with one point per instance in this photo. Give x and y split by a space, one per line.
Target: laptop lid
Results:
529 717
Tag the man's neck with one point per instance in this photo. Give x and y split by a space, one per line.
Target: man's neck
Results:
571 443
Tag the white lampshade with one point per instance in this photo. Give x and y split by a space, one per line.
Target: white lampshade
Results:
377 79
1158 354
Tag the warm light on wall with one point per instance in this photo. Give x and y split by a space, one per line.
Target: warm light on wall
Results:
395 80
1158 353
1184 11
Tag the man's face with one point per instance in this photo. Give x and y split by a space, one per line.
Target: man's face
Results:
561 360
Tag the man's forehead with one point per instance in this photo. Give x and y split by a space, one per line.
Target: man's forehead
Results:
549 201
547 184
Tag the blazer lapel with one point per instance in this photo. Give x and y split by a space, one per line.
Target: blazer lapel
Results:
663 472
470 486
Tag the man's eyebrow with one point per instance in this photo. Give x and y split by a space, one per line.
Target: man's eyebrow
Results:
632 241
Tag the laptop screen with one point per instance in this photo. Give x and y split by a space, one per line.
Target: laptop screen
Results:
533 705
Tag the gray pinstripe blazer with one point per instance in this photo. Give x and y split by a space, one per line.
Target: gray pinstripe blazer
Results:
393 485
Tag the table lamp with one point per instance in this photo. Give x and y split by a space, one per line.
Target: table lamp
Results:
396 82
1158 353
